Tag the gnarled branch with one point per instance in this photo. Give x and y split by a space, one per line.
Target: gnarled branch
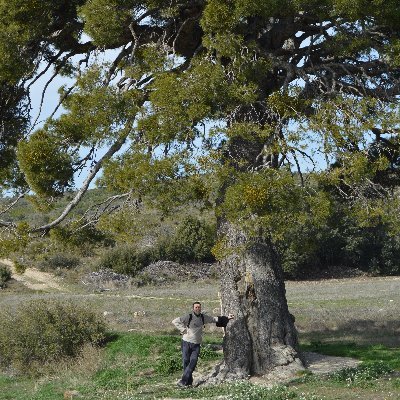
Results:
115 147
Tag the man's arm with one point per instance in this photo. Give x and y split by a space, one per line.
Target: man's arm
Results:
181 324
222 321
208 319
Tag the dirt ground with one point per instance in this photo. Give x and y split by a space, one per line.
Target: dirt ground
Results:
34 279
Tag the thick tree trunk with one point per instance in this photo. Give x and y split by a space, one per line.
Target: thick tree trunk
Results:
262 338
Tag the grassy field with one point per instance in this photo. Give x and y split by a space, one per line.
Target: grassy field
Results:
349 317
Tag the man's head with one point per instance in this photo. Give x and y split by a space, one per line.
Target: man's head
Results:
197 307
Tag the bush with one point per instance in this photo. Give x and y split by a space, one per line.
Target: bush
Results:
45 331
169 363
79 237
373 249
126 260
20 266
307 250
5 275
192 241
60 260
390 256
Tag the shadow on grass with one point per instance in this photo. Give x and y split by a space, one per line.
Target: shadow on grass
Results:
362 332
366 353
110 337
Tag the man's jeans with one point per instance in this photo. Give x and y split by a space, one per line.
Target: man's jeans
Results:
190 354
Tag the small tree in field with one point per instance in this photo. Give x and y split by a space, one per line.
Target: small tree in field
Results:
214 102
5 275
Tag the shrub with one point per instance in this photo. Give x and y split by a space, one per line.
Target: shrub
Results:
306 250
60 260
296 263
390 256
125 260
79 237
192 241
45 331
169 363
373 249
5 275
20 266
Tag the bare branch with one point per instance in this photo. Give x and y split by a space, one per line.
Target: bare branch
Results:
53 76
115 64
99 210
22 195
116 146
62 98
135 41
7 224
49 65
82 162
298 167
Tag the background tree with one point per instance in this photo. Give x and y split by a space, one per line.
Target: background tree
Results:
264 76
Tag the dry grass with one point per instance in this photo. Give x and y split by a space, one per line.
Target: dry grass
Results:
364 310
86 364
361 310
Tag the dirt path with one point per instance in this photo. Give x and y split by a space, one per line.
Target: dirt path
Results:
34 279
321 364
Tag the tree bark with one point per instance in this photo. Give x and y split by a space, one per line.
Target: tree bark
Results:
262 337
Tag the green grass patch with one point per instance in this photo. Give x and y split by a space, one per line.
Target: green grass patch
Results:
4 380
135 359
10 389
364 374
140 345
24 389
134 365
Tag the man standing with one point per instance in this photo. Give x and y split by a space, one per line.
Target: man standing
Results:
191 327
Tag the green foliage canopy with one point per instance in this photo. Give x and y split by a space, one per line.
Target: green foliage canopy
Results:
265 77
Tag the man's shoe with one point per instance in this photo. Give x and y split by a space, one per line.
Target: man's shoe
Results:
181 385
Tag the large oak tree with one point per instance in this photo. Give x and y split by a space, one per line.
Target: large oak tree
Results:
212 100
